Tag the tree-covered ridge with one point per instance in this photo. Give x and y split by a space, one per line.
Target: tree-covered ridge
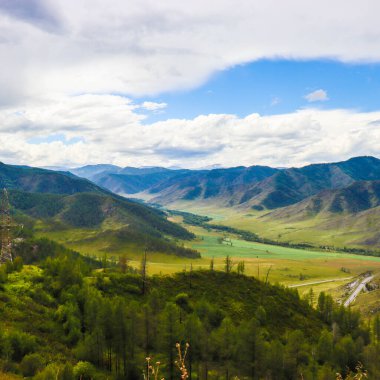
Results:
117 219
37 180
102 324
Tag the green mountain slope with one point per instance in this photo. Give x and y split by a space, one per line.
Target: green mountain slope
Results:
293 185
233 324
357 197
61 203
217 184
264 187
112 223
352 213
43 181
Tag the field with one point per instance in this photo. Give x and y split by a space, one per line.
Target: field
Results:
317 231
304 269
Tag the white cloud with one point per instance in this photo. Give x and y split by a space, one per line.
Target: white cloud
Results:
153 106
317 96
148 47
108 129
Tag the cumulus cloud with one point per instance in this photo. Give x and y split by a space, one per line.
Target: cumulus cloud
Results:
317 96
147 47
83 129
153 106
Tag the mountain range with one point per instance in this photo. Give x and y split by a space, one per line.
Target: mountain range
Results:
346 192
261 187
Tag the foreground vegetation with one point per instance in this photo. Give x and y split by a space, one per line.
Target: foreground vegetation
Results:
89 319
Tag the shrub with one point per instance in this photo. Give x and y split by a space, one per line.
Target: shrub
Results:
84 371
31 364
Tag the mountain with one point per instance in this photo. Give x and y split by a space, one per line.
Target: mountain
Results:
222 184
293 185
355 198
59 201
350 215
261 187
89 171
134 183
44 181
128 180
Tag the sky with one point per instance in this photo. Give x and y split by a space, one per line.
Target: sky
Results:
215 83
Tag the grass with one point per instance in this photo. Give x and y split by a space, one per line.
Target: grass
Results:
339 231
288 266
8 376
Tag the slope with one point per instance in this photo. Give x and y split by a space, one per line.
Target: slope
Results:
128 180
264 187
61 203
293 185
220 184
352 213
37 180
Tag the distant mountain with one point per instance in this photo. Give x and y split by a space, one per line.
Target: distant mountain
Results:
133 183
258 187
261 187
290 186
128 180
222 184
89 171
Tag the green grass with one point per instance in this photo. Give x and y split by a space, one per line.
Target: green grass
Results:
336 231
288 266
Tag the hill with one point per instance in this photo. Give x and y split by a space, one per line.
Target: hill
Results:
59 201
37 180
83 322
355 198
353 212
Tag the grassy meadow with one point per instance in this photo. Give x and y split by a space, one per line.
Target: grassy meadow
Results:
301 268
319 231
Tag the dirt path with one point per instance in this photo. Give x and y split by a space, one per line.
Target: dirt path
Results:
319 282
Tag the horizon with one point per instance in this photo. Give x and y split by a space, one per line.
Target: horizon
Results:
213 167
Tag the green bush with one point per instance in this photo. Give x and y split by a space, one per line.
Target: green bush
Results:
31 364
20 344
84 371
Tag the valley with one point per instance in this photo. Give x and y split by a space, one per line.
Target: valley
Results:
85 256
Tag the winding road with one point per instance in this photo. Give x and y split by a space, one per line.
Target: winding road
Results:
357 290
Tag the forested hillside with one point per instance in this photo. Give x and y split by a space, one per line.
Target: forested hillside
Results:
59 201
37 180
103 323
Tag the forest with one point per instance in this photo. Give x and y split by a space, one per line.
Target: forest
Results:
64 316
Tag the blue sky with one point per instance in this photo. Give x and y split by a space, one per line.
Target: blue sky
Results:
272 87
156 83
